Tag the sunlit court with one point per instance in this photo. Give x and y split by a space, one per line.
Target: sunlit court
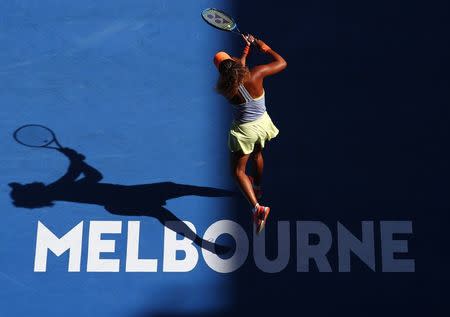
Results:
223 158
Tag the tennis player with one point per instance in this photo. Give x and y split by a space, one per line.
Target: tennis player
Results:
252 126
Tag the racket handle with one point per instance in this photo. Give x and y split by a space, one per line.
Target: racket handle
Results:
57 143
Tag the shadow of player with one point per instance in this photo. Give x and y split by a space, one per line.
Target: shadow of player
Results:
134 200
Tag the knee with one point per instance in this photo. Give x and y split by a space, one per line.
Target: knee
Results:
238 173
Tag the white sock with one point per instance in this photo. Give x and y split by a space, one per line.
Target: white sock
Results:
255 208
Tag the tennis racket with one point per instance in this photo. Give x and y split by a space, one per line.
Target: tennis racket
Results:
37 136
222 21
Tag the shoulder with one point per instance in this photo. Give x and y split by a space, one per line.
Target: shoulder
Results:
258 71
255 80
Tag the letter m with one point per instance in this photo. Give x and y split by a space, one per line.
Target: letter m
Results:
46 240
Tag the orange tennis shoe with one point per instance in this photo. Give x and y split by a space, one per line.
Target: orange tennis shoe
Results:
260 215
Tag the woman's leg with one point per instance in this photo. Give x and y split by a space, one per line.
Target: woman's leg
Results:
238 164
258 164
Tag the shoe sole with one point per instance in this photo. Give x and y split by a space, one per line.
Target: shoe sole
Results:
263 222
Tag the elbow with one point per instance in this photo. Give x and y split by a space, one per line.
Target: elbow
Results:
96 177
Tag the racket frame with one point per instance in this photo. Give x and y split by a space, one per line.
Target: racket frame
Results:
234 30
47 145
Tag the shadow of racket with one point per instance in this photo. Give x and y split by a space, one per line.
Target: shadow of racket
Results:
37 136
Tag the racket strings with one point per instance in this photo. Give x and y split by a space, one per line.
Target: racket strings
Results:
34 135
219 19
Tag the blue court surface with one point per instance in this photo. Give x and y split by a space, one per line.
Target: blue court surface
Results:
130 85
357 180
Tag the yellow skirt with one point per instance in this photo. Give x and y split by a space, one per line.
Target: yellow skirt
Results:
244 136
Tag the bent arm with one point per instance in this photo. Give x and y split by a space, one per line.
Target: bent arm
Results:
246 50
244 55
91 174
277 65
77 167
73 172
